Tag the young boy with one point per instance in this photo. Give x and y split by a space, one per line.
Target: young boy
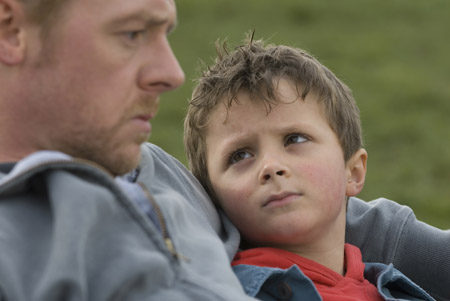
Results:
275 138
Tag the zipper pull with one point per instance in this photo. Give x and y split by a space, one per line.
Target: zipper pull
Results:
171 248
169 245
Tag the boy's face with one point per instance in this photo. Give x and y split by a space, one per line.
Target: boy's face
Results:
280 176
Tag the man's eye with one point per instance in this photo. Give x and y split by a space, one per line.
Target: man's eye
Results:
238 156
133 35
294 139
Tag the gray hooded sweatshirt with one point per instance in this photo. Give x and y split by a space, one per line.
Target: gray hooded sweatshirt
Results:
71 231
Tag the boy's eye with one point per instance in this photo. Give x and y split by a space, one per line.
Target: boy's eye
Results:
238 156
294 139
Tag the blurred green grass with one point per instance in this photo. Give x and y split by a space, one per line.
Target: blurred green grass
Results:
394 56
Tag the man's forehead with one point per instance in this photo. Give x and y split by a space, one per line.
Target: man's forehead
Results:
160 11
163 9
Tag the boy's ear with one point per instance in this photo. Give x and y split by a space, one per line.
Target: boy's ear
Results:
356 172
12 42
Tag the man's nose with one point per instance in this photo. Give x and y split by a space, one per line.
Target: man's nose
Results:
161 72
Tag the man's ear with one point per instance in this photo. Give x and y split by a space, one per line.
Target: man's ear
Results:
356 172
12 42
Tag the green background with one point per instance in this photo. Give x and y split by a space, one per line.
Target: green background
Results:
393 54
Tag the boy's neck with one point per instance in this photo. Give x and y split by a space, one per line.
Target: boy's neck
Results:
327 248
332 257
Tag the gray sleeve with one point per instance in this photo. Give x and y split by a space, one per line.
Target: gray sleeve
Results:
390 233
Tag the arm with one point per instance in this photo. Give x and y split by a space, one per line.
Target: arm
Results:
390 233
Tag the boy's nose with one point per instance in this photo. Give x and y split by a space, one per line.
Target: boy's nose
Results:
272 169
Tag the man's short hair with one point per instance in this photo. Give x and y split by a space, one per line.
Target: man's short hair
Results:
43 12
254 68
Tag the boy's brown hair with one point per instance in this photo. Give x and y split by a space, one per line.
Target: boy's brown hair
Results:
254 68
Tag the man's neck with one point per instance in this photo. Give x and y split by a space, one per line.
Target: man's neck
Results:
6 157
16 140
13 150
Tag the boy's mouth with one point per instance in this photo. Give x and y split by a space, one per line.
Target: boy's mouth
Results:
280 199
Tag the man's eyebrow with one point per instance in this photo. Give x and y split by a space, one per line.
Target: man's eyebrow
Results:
148 20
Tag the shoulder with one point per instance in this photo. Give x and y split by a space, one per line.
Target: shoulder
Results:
376 227
161 172
174 186
380 213
379 208
158 164
376 216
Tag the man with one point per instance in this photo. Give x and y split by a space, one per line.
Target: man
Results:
83 77
87 83
80 80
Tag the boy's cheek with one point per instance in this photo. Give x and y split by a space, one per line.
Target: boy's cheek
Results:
234 198
325 178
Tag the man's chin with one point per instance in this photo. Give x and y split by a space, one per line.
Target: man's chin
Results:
121 163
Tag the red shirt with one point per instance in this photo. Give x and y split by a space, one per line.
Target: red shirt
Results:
330 285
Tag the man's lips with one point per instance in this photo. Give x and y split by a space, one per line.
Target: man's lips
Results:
280 199
144 117
143 122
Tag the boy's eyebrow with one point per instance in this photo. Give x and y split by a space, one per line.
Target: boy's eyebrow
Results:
236 140
239 138
297 127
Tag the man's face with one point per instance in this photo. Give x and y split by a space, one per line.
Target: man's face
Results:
93 85
280 176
